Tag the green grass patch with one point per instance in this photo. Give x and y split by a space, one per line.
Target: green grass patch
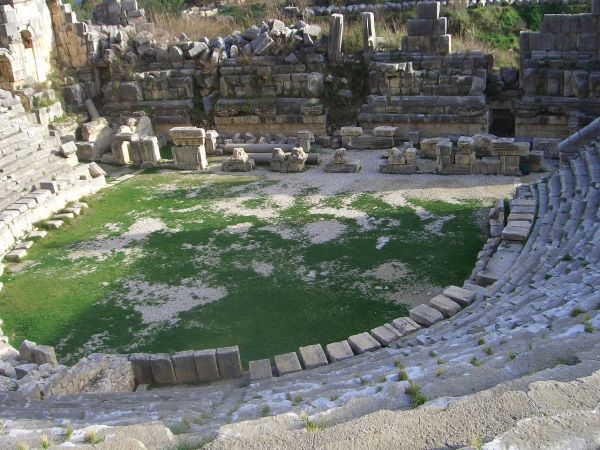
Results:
275 293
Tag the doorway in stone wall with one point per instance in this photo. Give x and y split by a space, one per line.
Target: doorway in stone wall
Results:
502 123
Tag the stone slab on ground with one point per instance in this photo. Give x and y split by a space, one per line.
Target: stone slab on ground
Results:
162 369
444 305
260 369
338 351
184 367
385 334
363 342
37 234
312 356
462 296
206 365
287 363
16 255
229 362
53 224
405 325
425 315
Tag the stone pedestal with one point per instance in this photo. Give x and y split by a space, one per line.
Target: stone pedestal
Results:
336 33
189 152
288 162
369 37
238 162
341 164
400 161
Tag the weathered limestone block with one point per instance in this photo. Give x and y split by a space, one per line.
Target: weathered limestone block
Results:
189 157
428 147
142 369
260 369
144 150
183 365
444 305
405 325
385 334
287 363
462 296
312 356
425 315
229 362
162 369
205 362
26 350
340 163
238 162
44 354
400 161
465 145
338 351
99 134
363 342
304 139
428 10
516 231
188 136
292 162
211 142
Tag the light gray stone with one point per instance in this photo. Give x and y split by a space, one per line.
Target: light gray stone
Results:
425 315
363 342
229 362
44 354
405 325
444 305
260 369
462 296
385 334
26 350
312 356
287 363
338 351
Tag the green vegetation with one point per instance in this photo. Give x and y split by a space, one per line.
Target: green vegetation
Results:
91 437
269 294
417 398
475 361
576 311
266 410
311 425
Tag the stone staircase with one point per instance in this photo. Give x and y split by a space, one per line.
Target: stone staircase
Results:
28 154
538 321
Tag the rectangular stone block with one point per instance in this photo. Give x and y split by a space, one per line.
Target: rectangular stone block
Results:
351 131
287 363
337 351
260 369
162 369
229 362
363 342
205 362
428 10
405 325
312 356
462 296
385 334
425 315
142 370
444 305
184 367
190 157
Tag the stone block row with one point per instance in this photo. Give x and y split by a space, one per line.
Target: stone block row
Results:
187 367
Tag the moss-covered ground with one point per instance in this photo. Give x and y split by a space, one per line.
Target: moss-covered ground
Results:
161 263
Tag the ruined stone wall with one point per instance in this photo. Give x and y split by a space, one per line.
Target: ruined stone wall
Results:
70 36
425 87
26 41
560 75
